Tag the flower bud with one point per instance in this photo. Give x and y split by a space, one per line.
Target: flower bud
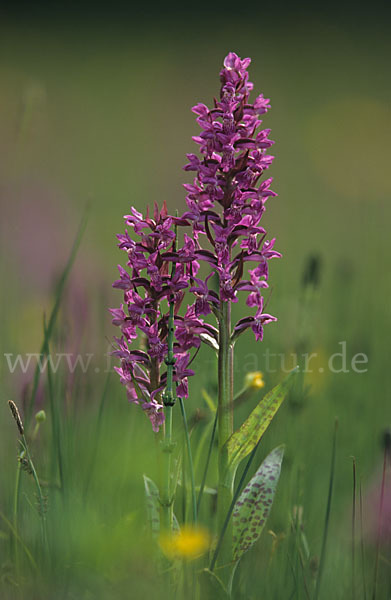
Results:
40 417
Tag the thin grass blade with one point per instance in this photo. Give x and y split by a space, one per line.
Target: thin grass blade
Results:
54 313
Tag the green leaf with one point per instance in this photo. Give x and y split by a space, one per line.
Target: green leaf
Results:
153 505
152 498
208 399
244 439
253 507
212 588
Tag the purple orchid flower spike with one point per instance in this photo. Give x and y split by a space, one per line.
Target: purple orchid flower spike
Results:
225 203
146 288
226 200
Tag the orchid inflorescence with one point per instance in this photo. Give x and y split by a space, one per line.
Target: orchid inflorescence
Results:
225 204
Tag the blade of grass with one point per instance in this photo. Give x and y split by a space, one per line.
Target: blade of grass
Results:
41 501
354 531
212 439
296 590
297 527
19 540
97 434
379 524
184 486
54 313
201 443
190 460
296 563
28 464
16 515
328 512
55 420
362 546
306 590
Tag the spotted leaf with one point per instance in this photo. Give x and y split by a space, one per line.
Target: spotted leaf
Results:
253 507
244 439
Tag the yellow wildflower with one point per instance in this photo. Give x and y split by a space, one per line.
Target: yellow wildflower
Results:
254 380
188 543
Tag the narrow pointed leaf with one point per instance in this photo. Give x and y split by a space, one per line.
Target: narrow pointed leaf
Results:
253 507
244 439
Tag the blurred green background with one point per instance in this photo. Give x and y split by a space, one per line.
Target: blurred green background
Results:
95 109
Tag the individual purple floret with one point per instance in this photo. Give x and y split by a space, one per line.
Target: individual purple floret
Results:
256 323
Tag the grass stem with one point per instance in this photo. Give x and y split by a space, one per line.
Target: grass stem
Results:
190 460
210 449
362 546
53 315
354 531
41 501
16 515
379 524
328 512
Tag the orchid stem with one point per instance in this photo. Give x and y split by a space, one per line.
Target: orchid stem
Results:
225 429
168 401
166 500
